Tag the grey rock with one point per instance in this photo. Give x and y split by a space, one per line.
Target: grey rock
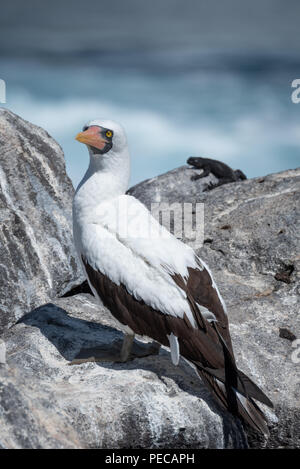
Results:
37 258
251 244
144 403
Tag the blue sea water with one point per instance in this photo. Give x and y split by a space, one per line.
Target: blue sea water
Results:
173 104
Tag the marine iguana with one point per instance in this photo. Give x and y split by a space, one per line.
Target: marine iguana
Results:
223 172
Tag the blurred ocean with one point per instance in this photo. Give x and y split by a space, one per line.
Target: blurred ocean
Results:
175 98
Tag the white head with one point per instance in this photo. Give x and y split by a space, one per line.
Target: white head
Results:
103 138
107 145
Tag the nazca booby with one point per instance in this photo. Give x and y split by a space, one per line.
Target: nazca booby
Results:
152 283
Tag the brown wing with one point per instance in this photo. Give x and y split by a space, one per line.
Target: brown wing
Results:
200 286
208 347
196 344
199 289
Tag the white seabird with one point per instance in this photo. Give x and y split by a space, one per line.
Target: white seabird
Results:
151 282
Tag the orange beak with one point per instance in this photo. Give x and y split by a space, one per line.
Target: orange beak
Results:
92 137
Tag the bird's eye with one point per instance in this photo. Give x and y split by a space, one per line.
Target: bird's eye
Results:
85 128
108 133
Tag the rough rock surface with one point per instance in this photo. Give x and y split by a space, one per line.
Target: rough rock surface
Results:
37 259
251 244
147 402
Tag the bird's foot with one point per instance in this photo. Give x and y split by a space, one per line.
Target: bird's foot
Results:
138 350
119 352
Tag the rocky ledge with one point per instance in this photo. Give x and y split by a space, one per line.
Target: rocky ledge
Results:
251 244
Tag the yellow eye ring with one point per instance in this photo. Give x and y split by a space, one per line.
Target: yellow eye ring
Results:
108 133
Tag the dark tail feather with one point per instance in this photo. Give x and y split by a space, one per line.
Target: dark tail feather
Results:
239 405
245 385
235 391
252 414
253 390
236 379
